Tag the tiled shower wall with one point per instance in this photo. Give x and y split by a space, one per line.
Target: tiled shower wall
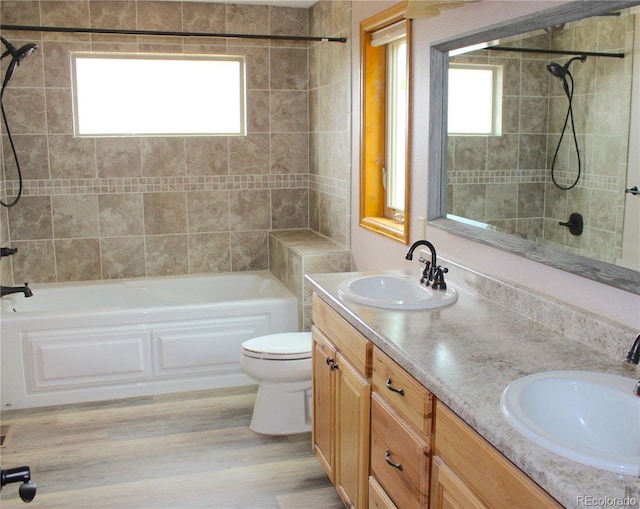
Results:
505 181
127 207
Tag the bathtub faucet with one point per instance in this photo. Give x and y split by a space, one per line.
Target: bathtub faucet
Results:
8 290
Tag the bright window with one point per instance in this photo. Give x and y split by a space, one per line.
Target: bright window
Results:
474 103
127 94
385 46
396 125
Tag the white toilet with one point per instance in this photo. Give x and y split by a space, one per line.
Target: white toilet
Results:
281 363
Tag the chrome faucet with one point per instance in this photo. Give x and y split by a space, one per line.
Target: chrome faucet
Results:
633 357
432 273
8 290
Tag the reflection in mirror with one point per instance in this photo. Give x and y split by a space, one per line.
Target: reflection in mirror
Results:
552 175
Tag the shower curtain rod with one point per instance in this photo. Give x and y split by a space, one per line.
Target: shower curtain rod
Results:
556 51
162 33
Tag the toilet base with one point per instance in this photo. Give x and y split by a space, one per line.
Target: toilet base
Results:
293 412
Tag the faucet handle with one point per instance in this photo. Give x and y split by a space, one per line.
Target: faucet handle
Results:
438 278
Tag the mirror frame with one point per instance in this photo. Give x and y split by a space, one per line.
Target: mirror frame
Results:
602 272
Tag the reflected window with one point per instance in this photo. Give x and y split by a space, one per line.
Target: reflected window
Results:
475 99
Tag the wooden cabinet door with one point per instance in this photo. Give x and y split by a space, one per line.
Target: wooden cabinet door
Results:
448 491
353 402
323 387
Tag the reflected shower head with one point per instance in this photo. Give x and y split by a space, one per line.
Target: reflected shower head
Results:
560 71
556 69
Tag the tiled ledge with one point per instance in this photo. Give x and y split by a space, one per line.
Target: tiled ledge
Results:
603 335
294 253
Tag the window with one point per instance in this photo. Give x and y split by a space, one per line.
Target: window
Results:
132 94
475 93
384 158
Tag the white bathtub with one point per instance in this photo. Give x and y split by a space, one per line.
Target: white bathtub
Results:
92 341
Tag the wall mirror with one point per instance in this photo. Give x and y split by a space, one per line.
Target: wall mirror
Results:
557 145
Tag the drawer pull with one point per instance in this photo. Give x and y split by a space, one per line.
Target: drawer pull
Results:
392 388
387 457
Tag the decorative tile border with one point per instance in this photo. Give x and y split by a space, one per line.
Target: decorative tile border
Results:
598 182
157 184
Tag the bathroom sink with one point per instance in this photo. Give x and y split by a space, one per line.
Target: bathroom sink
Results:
394 292
592 418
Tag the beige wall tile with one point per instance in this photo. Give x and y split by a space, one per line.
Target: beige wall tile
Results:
248 210
208 211
166 255
78 259
249 251
32 220
118 157
161 157
72 158
165 213
209 252
75 216
65 14
122 257
120 214
35 261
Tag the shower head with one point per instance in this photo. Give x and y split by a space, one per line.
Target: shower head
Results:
18 54
16 57
560 71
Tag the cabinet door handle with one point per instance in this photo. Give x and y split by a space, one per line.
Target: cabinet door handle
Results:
387 458
332 363
393 389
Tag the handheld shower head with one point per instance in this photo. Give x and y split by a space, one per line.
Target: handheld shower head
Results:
17 55
560 71
556 69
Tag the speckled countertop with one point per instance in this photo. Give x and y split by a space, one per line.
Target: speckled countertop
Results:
466 354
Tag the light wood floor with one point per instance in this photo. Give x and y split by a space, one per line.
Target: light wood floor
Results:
190 450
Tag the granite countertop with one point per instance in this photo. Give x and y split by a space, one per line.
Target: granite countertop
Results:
466 354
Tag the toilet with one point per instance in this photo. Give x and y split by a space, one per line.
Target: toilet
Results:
281 364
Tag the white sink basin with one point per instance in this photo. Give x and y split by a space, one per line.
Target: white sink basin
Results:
395 292
592 418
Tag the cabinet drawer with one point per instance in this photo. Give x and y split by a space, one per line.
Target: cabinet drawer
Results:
405 394
347 340
399 457
378 498
491 476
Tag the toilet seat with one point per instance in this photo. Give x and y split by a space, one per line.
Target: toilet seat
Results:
284 347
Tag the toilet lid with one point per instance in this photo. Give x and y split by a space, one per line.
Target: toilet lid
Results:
284 346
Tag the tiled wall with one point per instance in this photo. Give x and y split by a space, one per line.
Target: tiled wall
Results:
128 207
505 181
294 253
330 121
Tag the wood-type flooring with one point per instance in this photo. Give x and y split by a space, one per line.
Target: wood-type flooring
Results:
176 451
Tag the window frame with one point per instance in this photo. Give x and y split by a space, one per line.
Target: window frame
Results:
373 132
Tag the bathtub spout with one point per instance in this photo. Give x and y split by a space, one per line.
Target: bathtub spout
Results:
8 290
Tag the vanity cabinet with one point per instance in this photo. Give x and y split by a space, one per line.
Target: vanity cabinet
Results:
341 403
468 472
401 410
387 443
